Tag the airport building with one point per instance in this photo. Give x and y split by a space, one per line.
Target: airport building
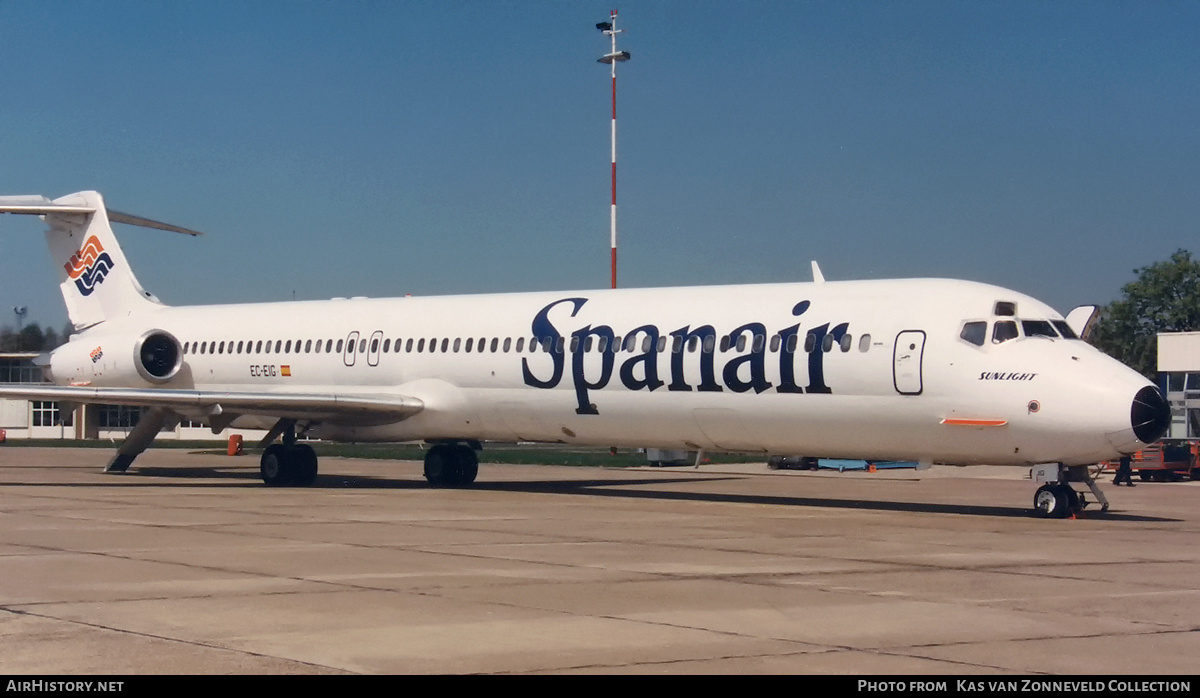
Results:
1179 379
35 419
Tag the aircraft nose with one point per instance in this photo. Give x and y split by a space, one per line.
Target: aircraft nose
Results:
1150 415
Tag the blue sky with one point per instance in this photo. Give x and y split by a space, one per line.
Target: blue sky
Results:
383 148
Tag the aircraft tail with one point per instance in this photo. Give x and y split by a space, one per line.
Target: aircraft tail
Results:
94 275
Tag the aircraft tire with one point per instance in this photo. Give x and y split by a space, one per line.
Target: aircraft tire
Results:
275 467
451 465
303 462
466 465
439 465
1052 502
1072 499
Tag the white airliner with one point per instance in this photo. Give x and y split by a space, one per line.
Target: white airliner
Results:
928 370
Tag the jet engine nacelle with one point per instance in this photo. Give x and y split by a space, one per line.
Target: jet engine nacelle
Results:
158 356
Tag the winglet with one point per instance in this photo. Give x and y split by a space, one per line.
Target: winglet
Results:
818 277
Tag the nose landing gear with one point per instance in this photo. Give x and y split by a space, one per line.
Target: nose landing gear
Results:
1057 498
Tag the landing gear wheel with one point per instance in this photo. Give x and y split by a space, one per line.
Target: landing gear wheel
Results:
304 463
467 466
1074 506
438 465
1055 501
283 466
448 465
274 467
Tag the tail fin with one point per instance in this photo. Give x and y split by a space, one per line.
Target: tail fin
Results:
94 276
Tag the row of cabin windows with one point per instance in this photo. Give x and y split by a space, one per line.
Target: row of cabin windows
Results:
505 345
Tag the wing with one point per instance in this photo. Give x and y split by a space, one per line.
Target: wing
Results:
332 407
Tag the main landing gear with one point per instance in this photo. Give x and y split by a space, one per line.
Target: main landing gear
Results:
1057 499
451 465
287 464
284 466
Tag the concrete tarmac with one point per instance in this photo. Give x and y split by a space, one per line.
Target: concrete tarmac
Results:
188 564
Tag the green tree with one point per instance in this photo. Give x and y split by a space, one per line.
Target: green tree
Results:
32 338
1164 298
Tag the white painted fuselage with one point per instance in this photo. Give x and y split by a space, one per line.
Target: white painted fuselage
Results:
853 369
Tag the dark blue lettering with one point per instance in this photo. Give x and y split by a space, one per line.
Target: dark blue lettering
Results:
788 346
580 339
816 359
648 360
758 374
548 336
708 380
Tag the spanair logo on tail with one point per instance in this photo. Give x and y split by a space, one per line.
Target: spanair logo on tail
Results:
89 266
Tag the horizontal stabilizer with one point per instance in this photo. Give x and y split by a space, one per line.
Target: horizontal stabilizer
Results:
41 206
118 217
38 206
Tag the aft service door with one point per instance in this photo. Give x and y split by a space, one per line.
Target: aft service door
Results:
906 362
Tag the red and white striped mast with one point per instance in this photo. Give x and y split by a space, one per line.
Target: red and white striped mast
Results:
614 57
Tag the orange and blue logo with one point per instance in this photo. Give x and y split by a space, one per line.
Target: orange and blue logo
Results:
89 266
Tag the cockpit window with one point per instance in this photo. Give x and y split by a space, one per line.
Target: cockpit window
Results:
1064 329
1038 328
974 332
1005 308
1004 331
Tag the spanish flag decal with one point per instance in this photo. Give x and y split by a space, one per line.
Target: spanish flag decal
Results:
285 370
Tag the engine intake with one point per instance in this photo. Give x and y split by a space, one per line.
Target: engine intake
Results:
158 356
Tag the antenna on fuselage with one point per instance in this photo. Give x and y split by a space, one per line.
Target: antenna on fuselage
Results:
818 277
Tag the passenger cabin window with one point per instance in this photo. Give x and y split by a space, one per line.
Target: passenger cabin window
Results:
1004 331
974 332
